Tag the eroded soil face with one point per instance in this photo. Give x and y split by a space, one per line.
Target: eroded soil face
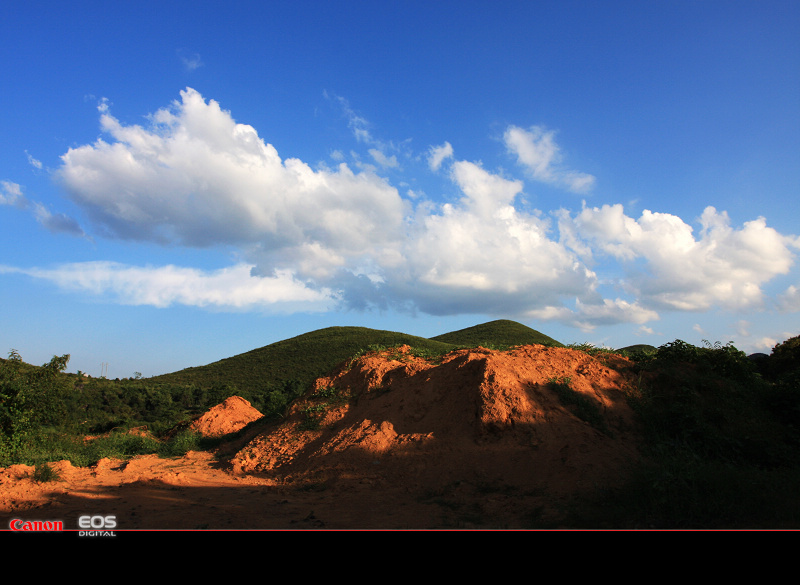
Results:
481 439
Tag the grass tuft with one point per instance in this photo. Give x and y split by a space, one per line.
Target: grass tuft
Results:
583 407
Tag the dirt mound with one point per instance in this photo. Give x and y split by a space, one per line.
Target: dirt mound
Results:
479 416
232 415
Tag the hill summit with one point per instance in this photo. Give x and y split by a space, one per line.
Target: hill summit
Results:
501 332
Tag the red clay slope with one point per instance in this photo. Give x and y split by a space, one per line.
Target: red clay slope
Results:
480 416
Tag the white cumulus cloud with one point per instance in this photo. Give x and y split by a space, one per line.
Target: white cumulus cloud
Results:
197 177
671 267
481 254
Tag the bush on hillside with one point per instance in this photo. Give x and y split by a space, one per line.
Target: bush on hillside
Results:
711 402
785 357
30 397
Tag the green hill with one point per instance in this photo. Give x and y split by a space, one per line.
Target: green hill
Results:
298 360
640 347
497 333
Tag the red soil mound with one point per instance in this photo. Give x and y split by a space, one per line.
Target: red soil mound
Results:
478 416
232 415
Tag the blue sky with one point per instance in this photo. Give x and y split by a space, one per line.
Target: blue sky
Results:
185 181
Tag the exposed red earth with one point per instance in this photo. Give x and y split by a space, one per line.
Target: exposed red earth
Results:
391 441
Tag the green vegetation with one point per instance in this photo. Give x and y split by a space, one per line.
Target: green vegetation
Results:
44 473
722 442
636 349
45 414
583 407
430 353
319 402
30 398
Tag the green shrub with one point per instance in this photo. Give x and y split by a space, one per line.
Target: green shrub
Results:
312 416
583 407
182 443
785 358
44 473
30 397
711 402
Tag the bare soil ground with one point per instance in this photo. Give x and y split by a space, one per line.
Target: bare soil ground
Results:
391 441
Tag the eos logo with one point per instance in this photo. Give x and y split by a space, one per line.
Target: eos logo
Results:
97 522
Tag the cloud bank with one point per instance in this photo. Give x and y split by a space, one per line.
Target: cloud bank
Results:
163 286
317 237
670 268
